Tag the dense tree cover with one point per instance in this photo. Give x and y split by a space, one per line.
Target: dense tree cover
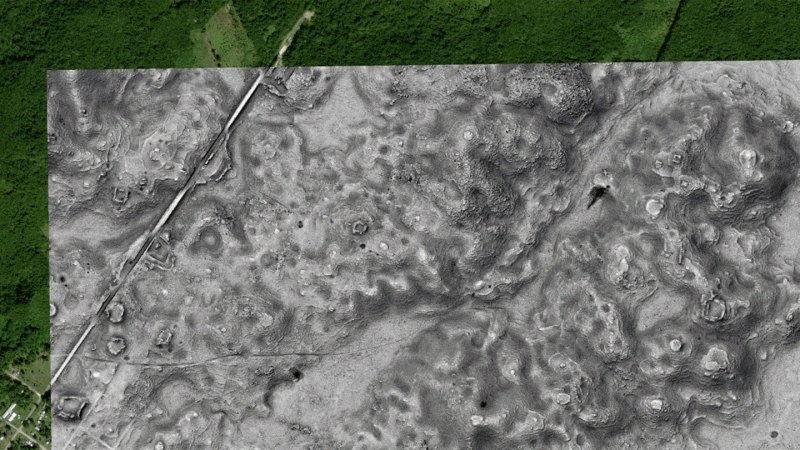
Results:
735 30
15 392
347 32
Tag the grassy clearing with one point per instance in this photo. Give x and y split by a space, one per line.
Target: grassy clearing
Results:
223 41
35 374
643 35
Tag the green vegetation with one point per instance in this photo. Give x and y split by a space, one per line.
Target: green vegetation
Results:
20 403
21 443
37 35
6 433
223 42
267 22
481 31
735 30
37 424
35 374
14 392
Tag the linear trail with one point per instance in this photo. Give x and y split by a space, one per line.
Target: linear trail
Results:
18 431
668 36
153 234
38 395
287 41
250 355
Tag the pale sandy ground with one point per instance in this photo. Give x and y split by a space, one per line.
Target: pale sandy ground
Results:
781 413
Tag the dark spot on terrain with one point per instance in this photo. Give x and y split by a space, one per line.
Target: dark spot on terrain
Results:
596 193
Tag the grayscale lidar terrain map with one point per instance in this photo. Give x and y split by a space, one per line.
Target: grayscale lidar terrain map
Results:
445 257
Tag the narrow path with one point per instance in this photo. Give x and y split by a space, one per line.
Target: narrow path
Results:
19 431
675 19
247 356
268 77
148 239
287 41
38 395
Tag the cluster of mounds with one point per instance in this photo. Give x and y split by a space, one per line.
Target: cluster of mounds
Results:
121 144
564 256
656 305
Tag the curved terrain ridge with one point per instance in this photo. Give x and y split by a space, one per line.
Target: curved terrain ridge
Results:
541 256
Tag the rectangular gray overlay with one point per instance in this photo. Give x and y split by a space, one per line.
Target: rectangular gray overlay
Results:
484 256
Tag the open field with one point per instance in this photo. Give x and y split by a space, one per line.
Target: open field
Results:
223 41
35 374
